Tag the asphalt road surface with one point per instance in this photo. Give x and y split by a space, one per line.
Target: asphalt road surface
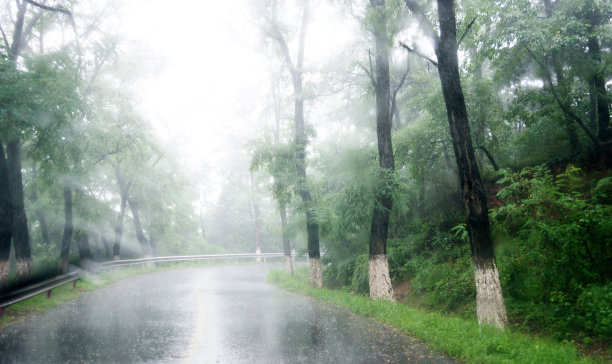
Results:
216 314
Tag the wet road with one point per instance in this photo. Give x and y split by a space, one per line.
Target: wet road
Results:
218 314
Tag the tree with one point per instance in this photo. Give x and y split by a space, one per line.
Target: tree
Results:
489 300
379 279
490 305
5 220
297 73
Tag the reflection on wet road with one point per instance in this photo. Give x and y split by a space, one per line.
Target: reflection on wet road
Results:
222 314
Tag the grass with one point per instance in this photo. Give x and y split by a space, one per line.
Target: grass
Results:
457 337
40 303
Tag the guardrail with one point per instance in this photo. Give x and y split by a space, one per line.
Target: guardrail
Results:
120 263
24 293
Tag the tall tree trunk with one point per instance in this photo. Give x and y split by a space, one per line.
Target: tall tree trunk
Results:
256 217
40 215
124 192
81 239
570 126
21 236
286 242
599 90
106 244
119 229
312 225
202 227
19 225
144 245
593 122
6 220
379 278
68 230
282 204
489 300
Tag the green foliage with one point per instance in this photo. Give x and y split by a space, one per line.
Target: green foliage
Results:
447 286
558 250
603 191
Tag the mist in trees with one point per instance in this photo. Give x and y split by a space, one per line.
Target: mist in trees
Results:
452 154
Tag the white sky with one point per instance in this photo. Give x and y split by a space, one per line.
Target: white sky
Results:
210 89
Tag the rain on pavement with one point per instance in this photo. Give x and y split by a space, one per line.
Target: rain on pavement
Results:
216 314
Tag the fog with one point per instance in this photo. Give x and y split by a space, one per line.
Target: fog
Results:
448 156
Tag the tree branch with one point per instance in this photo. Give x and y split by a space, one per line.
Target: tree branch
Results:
369 74
303 26
6 43
563 107
50 8
419 54
30 27
396 90
489 156
370 58
278 36
426 25
466 31
72 23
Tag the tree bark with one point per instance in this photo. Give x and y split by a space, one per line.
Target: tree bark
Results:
68 230
593 124
21 236
106 244
81 238
599 89
40 215
312 225
17 43
19 225
6 220
286 242
570 127
489 300
256 217
144 244
123 191
379 278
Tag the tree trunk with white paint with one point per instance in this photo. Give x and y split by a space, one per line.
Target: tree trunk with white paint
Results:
316 274
312 225
489 302
379 278
490 307
286 242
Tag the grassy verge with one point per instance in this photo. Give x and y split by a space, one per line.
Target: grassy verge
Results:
41 303
459 338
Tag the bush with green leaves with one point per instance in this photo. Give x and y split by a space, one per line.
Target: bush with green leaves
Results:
555 258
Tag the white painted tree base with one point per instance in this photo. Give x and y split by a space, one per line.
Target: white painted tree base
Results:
149 264
490 307
316 275
379 278
4 273
288 265
23 268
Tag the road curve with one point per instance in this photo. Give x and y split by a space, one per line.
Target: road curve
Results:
217 314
